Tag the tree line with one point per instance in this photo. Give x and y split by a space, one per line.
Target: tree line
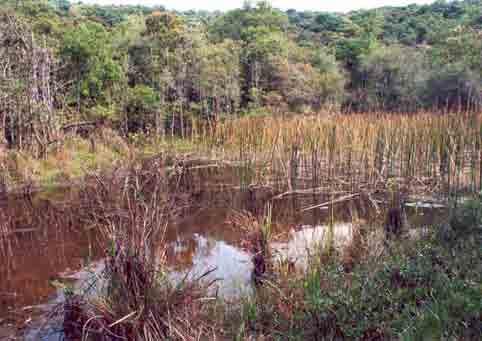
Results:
145 69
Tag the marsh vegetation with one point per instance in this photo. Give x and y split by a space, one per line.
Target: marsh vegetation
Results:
176 249
249 175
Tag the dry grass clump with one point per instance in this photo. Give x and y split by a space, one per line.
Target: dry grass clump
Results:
66 160
135 299
139 303
257 238
6 242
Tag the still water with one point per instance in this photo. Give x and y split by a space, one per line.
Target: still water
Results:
49 242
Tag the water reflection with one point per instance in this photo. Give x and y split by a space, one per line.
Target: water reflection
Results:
41 239
231 266
49 241
86 281
309 240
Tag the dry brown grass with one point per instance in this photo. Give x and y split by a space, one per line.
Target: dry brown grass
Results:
426 152
136 298
256 241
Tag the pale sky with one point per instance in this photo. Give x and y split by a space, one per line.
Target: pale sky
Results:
320 5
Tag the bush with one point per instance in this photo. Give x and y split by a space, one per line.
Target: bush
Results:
141 108
395 78
454 86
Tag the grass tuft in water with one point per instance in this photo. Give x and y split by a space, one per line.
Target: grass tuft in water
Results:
135 298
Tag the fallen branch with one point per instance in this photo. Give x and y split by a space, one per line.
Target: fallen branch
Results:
78 125
331 202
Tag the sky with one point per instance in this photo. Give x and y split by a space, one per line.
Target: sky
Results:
223 5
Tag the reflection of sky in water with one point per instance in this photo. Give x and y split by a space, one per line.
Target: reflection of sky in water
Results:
194 255
199 254
308 240
421 204
213 246
232 265
83 281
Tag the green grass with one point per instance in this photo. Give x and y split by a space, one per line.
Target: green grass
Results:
75 158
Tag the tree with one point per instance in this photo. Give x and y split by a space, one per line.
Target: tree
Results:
61 5
456 70
307 86
26 88
394 78
261 33
87 49
140 109
167 43
454 87
234 24
329 22
219 78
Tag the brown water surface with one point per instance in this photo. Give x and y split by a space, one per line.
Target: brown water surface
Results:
48 240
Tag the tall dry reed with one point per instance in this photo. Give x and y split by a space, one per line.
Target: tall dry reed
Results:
427 152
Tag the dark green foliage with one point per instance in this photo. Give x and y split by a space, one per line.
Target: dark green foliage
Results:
449 32
329 22
235 24
112 15
454 86
141 105
63 6
394 78
467 217
86 49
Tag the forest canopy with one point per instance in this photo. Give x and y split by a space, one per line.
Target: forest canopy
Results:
148 69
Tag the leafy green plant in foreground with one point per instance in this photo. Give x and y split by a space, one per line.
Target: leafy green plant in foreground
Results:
424 290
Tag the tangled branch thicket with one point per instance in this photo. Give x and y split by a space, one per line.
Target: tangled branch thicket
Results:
26 89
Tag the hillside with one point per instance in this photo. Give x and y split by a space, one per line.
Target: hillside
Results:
146 69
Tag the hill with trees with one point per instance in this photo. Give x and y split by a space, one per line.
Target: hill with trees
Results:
147 69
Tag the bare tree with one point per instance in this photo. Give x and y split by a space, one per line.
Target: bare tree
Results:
26 87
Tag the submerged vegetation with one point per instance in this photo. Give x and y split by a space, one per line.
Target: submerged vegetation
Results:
425 153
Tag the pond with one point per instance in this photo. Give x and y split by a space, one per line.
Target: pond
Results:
49 243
